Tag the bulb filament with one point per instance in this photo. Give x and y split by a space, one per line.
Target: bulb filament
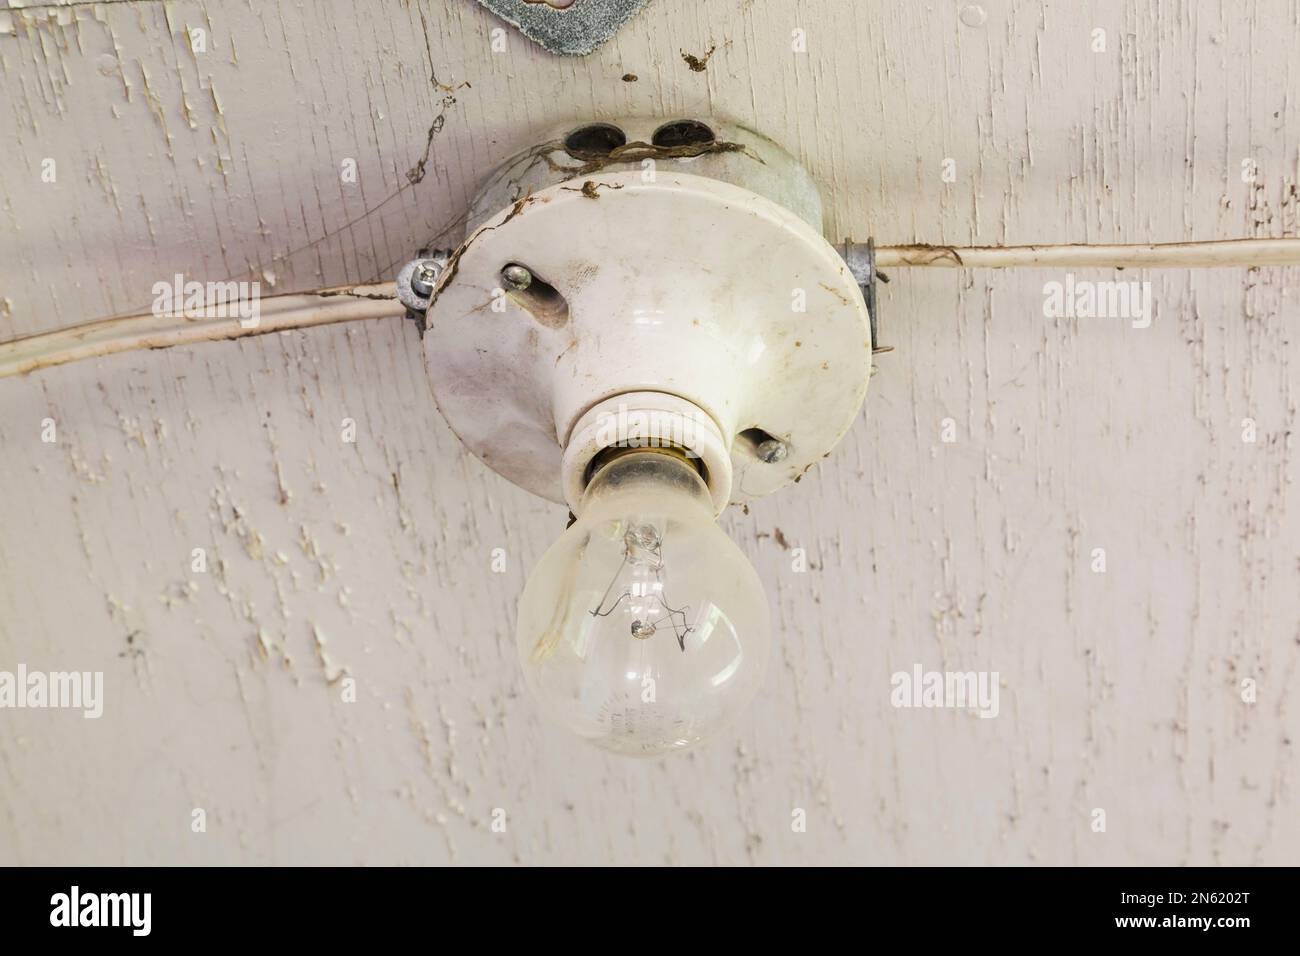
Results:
643 547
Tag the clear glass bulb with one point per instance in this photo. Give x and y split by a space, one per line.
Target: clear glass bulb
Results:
644 629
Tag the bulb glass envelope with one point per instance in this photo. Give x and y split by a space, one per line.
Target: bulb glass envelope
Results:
644 629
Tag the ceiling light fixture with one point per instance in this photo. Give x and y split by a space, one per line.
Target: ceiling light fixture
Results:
646 324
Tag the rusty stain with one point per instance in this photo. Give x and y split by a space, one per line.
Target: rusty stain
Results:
349 293
590 187
835 292
699 64
453 264
633 152
922 252
777 535
447 99
572 343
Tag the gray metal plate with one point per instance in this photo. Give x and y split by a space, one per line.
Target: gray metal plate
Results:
575 30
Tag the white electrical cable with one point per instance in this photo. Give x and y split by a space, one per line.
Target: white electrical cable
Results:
1229 253
148 331
379 300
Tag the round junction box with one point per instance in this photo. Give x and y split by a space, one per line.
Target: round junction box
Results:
648 280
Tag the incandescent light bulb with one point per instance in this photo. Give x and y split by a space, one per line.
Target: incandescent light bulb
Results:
644 629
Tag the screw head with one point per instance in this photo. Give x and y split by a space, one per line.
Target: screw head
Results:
772 451
517 277
424 276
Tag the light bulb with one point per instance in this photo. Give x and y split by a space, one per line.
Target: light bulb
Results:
644 629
